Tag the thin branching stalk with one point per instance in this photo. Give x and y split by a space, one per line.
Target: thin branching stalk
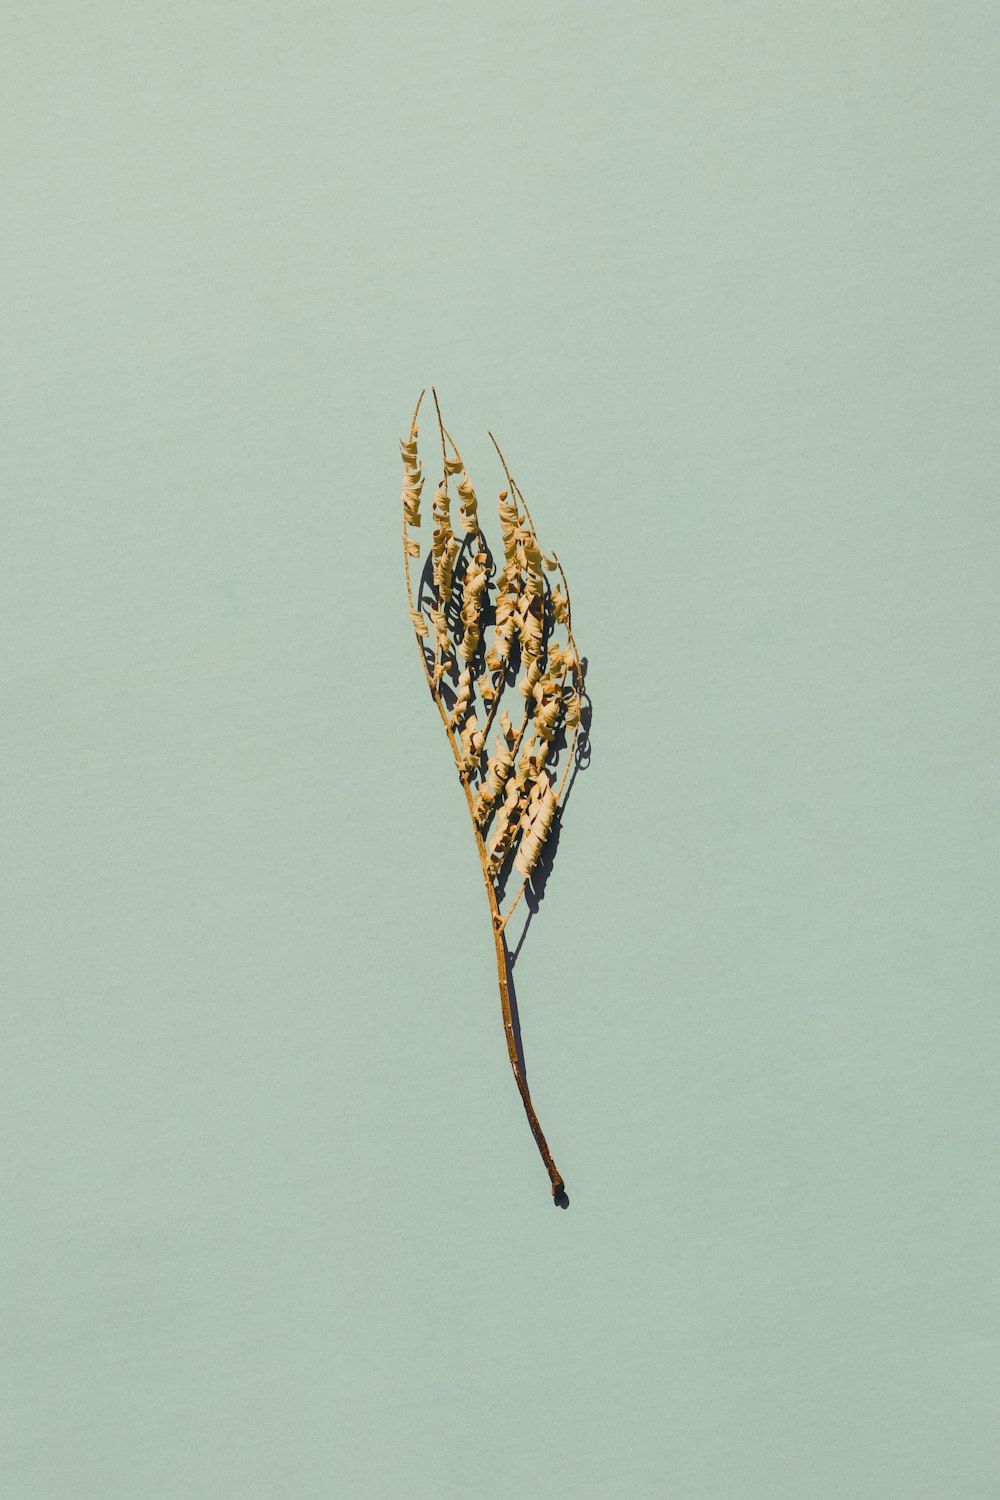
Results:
511 795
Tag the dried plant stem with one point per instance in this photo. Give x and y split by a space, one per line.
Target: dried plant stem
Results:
555 1177
558 1186
458 617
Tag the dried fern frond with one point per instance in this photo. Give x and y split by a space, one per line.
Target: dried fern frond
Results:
514 794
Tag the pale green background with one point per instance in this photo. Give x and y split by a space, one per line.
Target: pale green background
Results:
723 278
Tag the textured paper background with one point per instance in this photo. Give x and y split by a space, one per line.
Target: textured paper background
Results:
723 279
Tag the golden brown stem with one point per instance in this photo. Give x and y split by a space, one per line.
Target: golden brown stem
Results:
558 1186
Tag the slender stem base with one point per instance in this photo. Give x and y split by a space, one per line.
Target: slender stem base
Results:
558 1186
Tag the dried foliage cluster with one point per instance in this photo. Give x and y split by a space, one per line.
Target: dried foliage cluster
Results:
485 627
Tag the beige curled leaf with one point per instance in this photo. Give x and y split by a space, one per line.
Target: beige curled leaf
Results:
471 739
527 684
498 769
411 502
473 589
464 696
444 551
467 514
548 706
442 639
542 811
